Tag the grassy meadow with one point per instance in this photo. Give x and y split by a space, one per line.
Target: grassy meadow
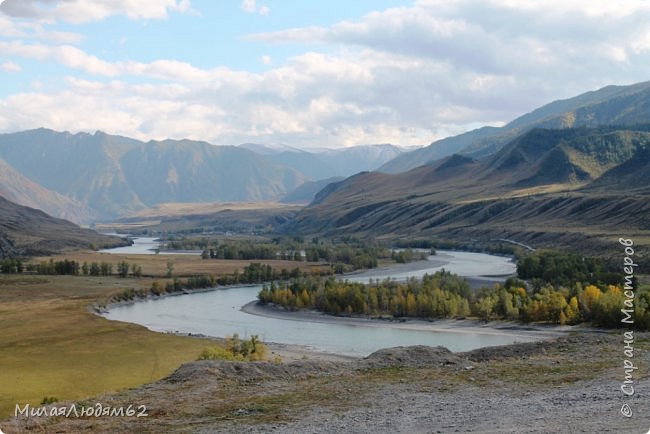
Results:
52 344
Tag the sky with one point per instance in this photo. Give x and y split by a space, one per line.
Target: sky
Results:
307 73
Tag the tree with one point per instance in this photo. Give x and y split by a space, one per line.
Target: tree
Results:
136 271
486 305
122 269
94 269
590 296
572 312
106 269
556 305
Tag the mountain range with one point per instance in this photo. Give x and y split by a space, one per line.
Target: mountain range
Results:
548 187
611 105
577 168
87 177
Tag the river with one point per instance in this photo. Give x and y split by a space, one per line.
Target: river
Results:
218 313
146 246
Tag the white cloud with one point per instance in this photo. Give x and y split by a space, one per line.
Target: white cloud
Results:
313 100
248 6
404 75
76 58
252 7
80 11
166 70
31 30
66 55
510 54
502 37
11 67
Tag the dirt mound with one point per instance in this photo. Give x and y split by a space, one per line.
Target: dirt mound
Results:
415 356
248 371
527 349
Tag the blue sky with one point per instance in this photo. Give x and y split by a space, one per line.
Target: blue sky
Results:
307 73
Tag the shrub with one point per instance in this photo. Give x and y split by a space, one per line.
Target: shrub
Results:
49 400
248 350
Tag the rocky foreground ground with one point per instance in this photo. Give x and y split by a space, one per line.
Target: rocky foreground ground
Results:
568 385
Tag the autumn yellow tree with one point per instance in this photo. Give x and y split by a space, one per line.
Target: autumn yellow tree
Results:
588 299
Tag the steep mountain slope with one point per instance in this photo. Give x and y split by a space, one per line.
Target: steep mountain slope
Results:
574 155
611 105
516 186
28 231
116 175
23 191
187 171
81 166
631 176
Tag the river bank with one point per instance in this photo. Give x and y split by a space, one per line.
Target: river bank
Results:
525 332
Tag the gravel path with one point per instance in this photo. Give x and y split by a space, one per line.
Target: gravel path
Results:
591 407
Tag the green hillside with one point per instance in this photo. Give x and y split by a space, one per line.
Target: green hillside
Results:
611 105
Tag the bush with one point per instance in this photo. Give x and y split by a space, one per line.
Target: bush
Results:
218 353
248 350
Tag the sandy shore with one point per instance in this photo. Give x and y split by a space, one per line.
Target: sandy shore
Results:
518 331
439 260
291 353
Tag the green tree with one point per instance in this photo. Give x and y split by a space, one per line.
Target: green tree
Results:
122 269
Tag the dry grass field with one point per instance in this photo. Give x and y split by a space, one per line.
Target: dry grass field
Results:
183 265
52 344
